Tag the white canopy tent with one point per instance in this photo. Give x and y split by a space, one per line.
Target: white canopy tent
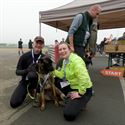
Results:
112 16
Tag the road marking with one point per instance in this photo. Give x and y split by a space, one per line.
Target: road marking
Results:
12 117
122 81
112 72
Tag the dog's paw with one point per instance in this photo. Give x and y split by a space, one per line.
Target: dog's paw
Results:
56 103
62 96
35 104
42 107
61 103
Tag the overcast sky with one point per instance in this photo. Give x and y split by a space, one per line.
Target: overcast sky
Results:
20 19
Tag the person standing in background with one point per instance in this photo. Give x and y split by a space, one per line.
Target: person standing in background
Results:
30 44
20 47
122 37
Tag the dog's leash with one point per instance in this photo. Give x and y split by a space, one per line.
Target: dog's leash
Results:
40 83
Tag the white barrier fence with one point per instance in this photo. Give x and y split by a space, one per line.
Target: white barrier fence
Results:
51 53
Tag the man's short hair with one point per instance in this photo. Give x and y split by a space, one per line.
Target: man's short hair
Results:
96 7
39 39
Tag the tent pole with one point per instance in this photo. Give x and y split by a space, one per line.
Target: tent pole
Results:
39 29
39 25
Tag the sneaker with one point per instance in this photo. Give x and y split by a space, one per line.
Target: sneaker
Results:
84 108
36 101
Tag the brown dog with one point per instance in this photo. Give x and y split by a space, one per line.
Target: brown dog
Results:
44 69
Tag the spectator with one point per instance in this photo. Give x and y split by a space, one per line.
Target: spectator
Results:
20 47
30 44
122 37
102 44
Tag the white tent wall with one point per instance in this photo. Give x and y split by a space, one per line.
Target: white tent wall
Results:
112 16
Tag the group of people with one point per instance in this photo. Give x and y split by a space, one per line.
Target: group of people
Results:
100 47
72 76
20 46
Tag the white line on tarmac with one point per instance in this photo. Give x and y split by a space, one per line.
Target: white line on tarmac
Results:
122 81
8 121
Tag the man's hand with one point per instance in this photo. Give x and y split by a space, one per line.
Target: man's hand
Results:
31 67
71 43
72 48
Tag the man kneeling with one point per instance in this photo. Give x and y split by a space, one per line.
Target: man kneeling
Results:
27 71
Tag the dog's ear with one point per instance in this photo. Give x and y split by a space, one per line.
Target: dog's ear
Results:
40 60
43 58
46 59
46 64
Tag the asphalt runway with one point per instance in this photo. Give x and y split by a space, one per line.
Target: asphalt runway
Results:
8 81
8 62
107 107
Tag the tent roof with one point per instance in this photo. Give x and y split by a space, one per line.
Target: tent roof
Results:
78 3
112 16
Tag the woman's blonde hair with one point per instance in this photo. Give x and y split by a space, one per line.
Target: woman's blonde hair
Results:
62 42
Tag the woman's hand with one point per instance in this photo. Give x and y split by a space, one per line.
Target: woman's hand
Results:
73 95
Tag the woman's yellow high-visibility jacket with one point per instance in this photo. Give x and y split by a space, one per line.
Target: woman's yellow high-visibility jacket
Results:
76 74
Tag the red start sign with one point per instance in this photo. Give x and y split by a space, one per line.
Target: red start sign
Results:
112 72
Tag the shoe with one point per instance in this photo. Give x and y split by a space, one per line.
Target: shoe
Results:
36 101
84 108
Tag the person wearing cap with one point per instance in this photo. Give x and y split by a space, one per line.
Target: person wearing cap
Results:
24 69
80 29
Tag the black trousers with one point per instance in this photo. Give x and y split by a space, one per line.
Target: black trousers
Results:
73 107
20 92
80 51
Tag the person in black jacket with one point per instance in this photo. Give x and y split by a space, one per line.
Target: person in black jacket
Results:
25 69
30 44
20 47
80 29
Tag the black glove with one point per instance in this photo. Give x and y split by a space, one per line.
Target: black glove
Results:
21 72
31 68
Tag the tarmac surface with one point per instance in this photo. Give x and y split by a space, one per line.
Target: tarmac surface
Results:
107 106
8 82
